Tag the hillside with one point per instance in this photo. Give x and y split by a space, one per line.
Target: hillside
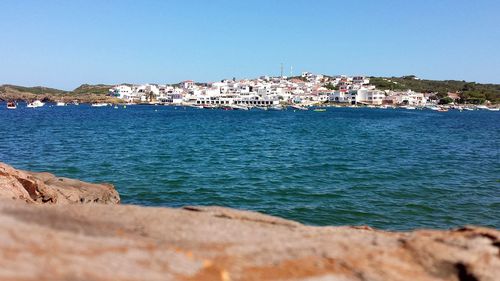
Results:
471 92
99 89
84 93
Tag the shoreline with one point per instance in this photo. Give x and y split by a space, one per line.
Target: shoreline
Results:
113 102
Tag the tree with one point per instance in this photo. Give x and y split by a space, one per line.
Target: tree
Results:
445 100
330 86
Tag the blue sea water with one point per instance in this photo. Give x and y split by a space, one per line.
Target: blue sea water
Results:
391 169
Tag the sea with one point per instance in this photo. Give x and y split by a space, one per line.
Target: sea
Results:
391 169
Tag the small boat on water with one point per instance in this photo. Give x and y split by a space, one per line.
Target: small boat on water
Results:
239 107
208 106
35 104
276 107
195 106
11 105
435 108
320 109
295 106
60 103
493 109
101 104
260 107
410 108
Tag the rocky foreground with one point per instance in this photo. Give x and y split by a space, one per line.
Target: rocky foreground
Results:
118 242
34 187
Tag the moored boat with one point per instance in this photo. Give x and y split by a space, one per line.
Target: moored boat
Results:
435 108
60 103
295 106
11 105
260 107
35 104
101 104
209 106
239 107
275 107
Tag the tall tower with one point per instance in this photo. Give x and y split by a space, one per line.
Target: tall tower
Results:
291 70
281 70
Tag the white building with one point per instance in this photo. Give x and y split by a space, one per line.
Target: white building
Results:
408 98
122 92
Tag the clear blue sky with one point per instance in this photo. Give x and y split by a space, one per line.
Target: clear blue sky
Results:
63 44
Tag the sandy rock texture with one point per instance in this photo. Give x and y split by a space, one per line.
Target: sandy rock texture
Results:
122 242
34 187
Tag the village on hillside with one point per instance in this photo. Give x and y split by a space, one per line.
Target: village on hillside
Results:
306 90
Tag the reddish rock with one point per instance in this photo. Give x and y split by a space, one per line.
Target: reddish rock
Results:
120 242
47 188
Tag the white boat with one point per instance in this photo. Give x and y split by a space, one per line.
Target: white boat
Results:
60 103
482 107
11 105
101 104
493 109
468 108
75 103
260 107
294 106
35 104
209 106
435 108
410 107
239 107
276 107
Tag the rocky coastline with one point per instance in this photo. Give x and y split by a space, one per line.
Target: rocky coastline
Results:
62 229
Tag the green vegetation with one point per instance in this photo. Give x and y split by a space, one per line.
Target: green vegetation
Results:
445 100
34 90
85 92
297 77
469 92
330 86
99 89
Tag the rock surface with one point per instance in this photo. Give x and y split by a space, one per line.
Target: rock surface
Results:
120 242
46 188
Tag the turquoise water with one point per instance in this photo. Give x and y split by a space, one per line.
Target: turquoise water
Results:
391 169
